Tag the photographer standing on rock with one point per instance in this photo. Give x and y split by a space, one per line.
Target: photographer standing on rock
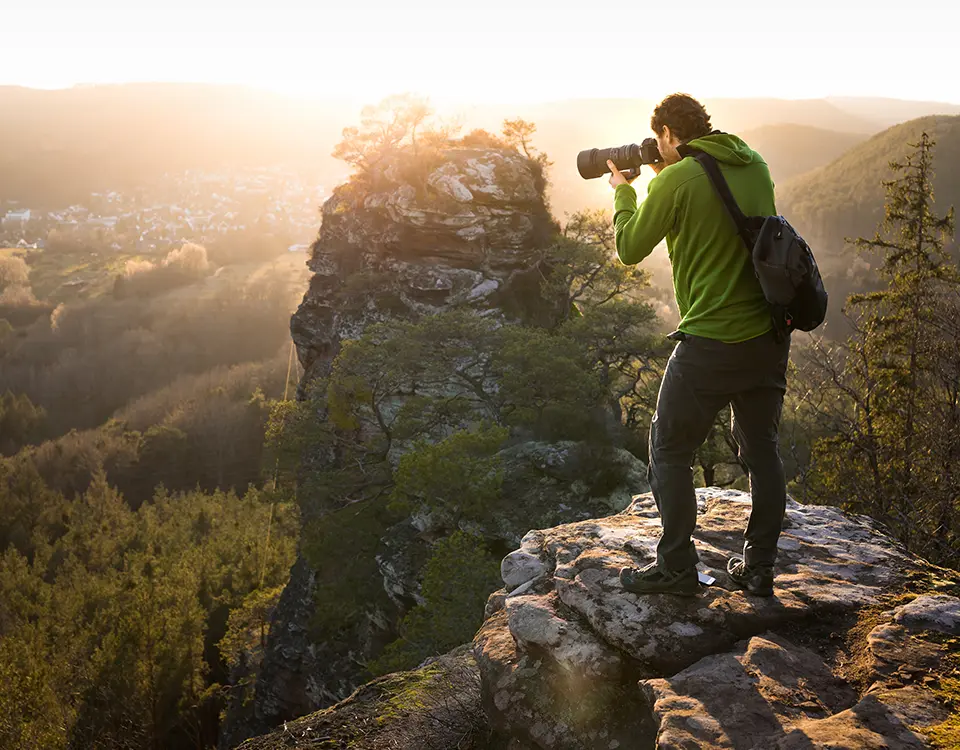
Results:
727 350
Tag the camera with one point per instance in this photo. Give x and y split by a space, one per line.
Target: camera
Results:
593 162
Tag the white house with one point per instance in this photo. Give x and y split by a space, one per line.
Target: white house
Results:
103 221
17 217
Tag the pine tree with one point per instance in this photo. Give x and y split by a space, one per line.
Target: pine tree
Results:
895 375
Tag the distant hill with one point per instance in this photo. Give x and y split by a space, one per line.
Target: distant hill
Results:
790 149
566 127
845 198
58 146
888 112
745 114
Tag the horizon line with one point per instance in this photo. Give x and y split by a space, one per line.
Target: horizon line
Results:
445 98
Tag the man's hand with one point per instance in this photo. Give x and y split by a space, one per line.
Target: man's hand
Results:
616 176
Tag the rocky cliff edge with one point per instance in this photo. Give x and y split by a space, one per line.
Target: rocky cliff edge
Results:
857 649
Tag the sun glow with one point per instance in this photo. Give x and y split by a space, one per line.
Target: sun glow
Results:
500 50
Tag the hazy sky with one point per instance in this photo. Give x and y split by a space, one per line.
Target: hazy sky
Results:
495 50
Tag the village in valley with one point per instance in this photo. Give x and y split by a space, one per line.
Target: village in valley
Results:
193 206
79 251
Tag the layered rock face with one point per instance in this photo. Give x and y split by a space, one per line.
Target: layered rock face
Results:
467 231
570 660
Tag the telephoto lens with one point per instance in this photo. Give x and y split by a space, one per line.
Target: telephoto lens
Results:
592 162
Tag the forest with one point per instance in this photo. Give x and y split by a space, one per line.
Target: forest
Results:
160 454
143 533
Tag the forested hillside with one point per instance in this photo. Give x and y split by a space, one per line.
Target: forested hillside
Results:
143 537
844 200
790 150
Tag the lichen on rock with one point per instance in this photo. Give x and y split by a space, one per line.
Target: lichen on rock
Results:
434 707
715 671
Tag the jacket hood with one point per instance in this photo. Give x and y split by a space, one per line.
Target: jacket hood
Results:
726 148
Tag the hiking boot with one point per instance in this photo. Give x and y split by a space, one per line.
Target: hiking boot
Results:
754 579
653 579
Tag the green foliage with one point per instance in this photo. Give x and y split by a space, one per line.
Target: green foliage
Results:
946 735
456 581
341 546
402 382
249 625
584 264
547 384
892 437
326 466
459 475
31 717
29 509
109 614
20 422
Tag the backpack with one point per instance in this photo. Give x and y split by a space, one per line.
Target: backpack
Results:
782 261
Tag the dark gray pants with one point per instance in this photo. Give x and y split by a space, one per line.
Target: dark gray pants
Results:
703 376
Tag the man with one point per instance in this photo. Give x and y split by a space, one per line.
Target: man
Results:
727 352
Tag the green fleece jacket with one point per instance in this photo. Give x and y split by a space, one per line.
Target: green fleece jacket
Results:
717 293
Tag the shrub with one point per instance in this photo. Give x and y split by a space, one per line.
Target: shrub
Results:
191 259
457 579
13 272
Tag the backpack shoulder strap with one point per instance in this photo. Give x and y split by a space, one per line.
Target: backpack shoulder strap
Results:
710 166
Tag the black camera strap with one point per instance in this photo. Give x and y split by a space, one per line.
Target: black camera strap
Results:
710 166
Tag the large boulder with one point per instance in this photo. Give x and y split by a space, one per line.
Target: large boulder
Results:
571 660
434 707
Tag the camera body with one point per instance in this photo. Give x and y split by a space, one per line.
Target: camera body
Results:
592 162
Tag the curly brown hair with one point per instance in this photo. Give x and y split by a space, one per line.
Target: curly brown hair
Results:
684 115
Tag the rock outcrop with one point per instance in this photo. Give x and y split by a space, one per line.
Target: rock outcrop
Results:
859 649
570 660
463 230
434 707
469 232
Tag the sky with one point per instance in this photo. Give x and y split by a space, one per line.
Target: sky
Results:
494 50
